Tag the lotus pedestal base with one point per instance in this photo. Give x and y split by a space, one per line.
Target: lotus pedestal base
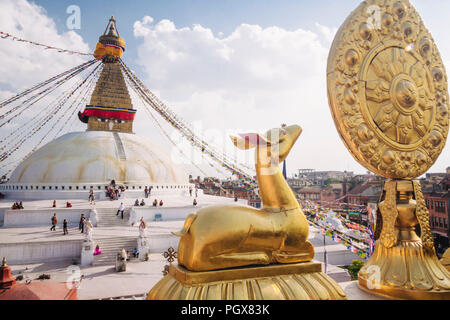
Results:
301 281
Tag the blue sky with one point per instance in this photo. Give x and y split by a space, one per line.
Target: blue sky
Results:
220 16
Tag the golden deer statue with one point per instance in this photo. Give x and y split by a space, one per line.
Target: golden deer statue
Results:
228 236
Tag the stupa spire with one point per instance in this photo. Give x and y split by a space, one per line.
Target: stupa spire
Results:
110 107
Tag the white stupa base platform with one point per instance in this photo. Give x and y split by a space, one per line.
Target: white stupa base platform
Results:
25 235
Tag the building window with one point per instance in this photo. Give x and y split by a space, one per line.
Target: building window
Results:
62 187
77 187
56 187
50 188
70 187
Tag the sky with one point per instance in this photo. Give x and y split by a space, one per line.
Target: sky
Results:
224 66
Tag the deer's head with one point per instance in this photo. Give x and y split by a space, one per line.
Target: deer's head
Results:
272 147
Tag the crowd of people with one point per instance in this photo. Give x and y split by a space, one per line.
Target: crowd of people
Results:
148 191
17 206
137 203
81 225
155 203
113 193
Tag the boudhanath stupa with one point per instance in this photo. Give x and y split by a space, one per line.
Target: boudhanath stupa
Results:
108 150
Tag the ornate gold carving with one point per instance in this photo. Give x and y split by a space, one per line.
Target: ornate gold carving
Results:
424 219
388 95
388 209
387 89
403 265
302 281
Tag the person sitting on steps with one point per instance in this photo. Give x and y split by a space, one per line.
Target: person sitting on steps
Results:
97 251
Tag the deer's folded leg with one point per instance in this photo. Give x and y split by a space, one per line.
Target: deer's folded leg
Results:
292 255
231 260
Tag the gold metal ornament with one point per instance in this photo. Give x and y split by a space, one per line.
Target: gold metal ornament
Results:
239 252
388 94
387 89
446 259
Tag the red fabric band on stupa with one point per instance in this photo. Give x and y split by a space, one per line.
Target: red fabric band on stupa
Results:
109 113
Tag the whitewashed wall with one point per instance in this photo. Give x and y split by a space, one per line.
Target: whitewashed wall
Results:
23 253
42 217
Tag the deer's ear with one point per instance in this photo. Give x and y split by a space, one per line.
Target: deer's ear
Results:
242 144
250 140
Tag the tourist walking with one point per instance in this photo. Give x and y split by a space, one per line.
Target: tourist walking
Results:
91 196
65 227
82 223
190 191
146 192
54 222
121 208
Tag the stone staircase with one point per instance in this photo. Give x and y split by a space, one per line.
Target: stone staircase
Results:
119 146
106 217
110 247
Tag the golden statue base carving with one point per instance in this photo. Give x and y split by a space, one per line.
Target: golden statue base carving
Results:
300 281
446 259
404 265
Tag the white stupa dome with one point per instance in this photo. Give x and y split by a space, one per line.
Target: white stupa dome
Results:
97 157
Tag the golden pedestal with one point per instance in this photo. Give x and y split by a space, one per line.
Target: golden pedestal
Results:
404 265
446 259
406 271
301 281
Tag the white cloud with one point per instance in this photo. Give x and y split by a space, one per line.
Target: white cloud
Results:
253 78
24 65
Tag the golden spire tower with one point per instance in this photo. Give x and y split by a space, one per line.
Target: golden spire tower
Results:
110 108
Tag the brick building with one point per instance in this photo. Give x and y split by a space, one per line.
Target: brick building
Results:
438 204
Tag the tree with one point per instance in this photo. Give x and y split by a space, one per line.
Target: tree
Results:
354 268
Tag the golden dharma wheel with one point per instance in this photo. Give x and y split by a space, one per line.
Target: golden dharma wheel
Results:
387 89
